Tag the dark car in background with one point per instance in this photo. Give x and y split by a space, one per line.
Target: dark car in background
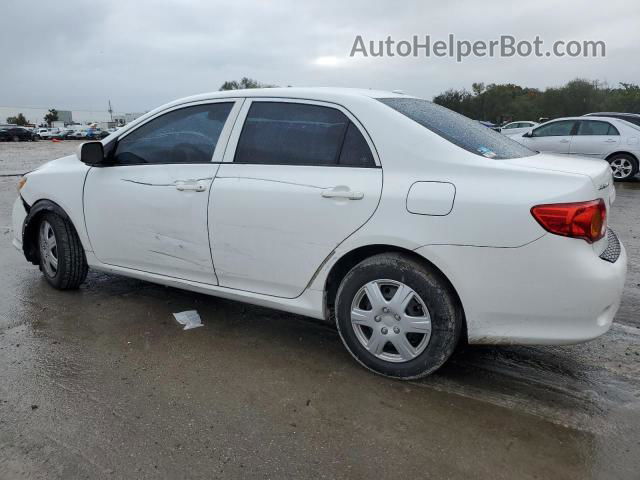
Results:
629 117
15 134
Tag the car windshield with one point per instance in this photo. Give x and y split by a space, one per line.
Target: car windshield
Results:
458 129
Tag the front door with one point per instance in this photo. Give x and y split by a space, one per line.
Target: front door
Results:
148 210
554 137
298 178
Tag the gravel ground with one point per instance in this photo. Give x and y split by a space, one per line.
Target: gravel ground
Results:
22 157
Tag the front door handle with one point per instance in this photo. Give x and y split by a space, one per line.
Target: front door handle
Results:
610 140
342 192
190 185
564 140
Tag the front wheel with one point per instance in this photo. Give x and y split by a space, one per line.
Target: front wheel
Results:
62 259
623 167
398 317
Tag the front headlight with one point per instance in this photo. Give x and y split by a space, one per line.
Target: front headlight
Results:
21 183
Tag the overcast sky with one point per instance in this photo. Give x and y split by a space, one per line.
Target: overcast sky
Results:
142 53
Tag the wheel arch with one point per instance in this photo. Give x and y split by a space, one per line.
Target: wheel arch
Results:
350 259
30 226
622 152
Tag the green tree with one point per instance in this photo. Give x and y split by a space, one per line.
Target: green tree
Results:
18 120
503 102
51 117
244 83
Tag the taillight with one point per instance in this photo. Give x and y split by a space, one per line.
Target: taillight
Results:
586 220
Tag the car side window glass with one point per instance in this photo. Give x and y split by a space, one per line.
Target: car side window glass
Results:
355 150
612 130
555 129
187 135
593 127
281 133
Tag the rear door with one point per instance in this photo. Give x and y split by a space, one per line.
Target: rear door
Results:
595 138
552 137
298 178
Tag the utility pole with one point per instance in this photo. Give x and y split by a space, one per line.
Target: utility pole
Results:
110 111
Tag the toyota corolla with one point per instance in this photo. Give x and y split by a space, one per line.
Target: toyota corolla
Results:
411 227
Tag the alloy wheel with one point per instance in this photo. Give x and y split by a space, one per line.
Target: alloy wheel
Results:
621 168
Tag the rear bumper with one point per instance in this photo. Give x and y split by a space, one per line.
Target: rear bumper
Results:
555 290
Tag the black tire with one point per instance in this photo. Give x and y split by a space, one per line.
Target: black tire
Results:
434 290
16 138
72 266
630 159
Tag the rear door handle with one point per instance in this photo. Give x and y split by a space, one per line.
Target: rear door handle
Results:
342 192
610 140
564 141
190 186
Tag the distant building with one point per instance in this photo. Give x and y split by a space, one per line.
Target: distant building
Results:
125 118
65 116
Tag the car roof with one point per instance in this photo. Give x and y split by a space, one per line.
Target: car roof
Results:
327 94
591 117
611 113
301 92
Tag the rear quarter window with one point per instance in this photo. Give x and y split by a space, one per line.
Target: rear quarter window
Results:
458 129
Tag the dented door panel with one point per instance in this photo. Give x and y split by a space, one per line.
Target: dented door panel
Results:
142 217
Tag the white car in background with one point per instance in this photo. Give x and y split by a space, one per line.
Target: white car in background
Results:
43 133
410 226
611 139
517 128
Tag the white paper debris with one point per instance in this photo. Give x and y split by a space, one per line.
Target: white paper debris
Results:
190 319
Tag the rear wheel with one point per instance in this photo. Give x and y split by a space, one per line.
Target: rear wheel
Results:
623 166
397 316
16 138
62 259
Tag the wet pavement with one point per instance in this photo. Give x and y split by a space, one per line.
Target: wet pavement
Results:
103 383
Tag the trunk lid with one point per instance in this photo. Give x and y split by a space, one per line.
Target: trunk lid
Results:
597 170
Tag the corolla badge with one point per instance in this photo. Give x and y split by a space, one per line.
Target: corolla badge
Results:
603 186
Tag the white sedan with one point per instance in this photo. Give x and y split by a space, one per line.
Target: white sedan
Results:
610 139
517 128
410 226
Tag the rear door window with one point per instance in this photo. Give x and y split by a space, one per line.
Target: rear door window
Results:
458 129
283 133
355 151
594 127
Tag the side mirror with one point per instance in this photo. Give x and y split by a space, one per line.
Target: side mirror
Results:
527 135
91 153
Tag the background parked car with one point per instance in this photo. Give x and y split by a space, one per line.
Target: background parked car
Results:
15 134
517 128
43 133
490 125
616 141
629 117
